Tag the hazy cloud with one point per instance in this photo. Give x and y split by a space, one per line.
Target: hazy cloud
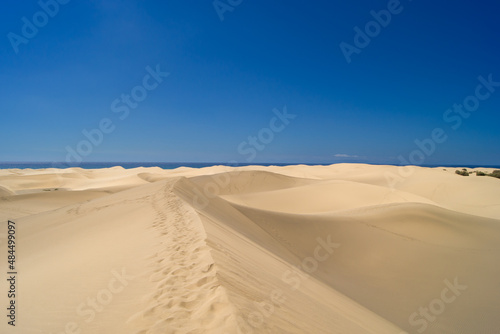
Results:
340 155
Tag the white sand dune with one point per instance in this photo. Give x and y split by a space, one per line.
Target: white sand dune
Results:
295 249
329 196
4 191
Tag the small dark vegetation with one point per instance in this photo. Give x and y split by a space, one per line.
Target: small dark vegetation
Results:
464 172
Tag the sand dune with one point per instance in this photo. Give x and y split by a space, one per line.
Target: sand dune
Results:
329 196
294 249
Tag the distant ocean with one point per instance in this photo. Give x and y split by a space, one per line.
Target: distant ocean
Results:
172 165
127 165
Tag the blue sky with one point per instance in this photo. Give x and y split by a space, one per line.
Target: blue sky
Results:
227 76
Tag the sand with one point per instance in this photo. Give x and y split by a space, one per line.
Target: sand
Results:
347 248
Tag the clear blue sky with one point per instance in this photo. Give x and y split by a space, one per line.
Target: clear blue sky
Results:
226 77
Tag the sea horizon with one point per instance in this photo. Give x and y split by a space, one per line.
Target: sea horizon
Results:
173 165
